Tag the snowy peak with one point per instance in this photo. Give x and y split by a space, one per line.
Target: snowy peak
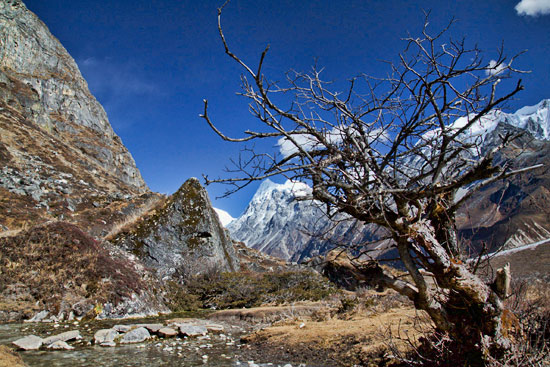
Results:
289 188
277 224
532 119
225 217
274 221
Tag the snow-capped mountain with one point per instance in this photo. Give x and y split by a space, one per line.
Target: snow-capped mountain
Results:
533 119
277 224
225 217
274 222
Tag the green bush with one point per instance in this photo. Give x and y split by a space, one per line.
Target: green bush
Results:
178 299
236 290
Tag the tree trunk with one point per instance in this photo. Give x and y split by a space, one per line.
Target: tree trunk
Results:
471 307
458 302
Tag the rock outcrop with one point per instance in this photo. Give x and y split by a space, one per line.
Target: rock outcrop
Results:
56 143
184 237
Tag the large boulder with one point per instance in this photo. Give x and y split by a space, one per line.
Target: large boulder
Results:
183 237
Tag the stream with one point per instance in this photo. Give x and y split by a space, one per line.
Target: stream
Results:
221 350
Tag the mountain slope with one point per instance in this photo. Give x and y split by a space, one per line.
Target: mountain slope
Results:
277 224
508 213
55 138
67 182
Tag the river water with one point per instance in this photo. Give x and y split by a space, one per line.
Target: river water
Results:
221 350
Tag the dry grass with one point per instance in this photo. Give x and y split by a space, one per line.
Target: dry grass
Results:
9 358
152 204
58 265
525 322
270 313
15 231
530 302
331 336
10 232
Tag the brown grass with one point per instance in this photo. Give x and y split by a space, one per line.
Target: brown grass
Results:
57 264
9 358
269 313
152 204
332 337
10 232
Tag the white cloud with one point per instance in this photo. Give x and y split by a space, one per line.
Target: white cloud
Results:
106 76
495 69
287 147
533 7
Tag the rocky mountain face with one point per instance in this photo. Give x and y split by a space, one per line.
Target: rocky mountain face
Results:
510 213
279 225
514 212
67 183
56 144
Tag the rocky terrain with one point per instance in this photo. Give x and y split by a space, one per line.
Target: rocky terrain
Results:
68 183
57 148
182 237
505 214
59 157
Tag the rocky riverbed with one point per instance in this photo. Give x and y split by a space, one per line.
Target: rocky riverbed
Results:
188 339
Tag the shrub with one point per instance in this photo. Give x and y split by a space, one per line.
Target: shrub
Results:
245 289
59 262
526 322
178 299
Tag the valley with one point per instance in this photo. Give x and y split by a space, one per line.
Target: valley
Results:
142 278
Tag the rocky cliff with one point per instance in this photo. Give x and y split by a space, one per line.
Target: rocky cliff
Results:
55 139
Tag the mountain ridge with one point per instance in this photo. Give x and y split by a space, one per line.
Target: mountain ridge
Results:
279 235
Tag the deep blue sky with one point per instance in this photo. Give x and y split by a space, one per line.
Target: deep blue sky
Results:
151 63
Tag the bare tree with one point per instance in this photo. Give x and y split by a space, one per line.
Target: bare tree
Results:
399 151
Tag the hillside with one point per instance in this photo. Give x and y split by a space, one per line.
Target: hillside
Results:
67 182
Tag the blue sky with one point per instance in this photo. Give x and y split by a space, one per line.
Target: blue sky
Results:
151 63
